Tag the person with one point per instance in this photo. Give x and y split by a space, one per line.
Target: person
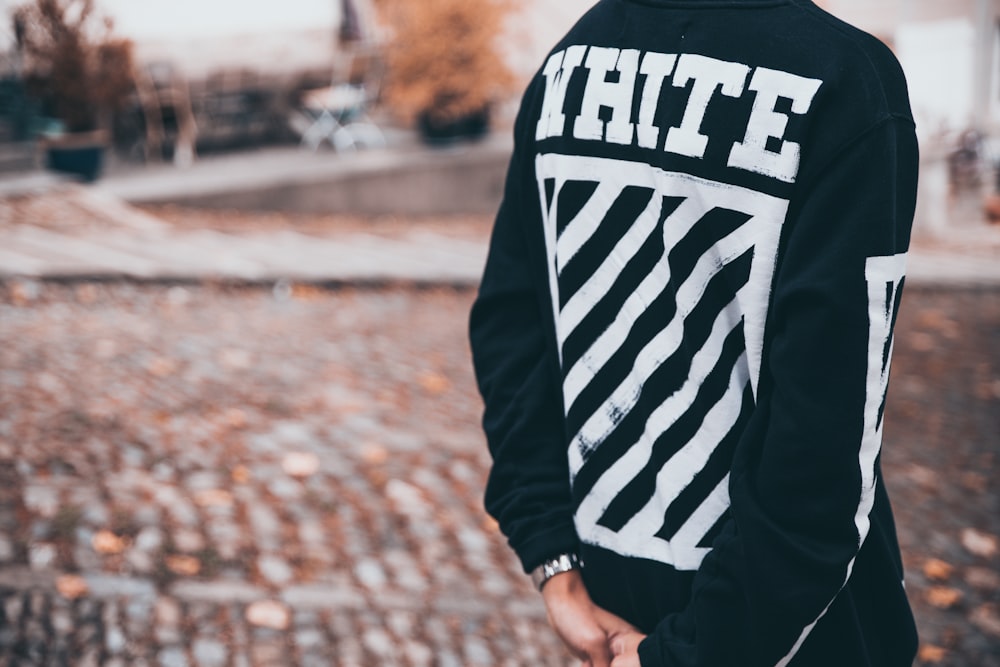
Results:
683 332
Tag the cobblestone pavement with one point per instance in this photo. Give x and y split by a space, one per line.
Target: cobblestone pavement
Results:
197 476
218 476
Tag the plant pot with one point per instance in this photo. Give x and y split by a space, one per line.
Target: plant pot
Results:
80 154
473 125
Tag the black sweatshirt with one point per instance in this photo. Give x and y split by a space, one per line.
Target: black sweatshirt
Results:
684 328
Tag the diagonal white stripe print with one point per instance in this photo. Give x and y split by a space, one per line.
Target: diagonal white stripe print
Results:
766 214
604 347
621 401
680 470
600 282
689 294
583 225
638 537
665 414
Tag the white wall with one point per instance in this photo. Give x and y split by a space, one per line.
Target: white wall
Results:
939 61
191 19
200 36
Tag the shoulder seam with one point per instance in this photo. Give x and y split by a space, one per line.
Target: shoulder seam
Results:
819 15
885 119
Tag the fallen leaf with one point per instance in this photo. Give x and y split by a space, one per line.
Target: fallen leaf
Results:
922 475
106 542
268 614
161 367
979 544
185 566
931 653
937 570
236 418
986 618
71 586
374 453
942 597
213 498
304 292
241 474
300 464
24 291
982 578
434 383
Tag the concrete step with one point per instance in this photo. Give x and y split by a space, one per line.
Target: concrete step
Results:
20 157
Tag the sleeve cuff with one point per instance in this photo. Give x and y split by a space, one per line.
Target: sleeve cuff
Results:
557 540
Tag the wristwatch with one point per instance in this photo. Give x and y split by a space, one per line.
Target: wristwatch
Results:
553 566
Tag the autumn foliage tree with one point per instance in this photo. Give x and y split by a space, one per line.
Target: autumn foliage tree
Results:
445 60
73 62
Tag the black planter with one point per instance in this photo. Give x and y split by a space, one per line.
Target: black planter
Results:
76 156
464 128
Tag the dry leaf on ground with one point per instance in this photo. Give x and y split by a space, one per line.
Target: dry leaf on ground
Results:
930 653
374 453
434 383
300 464
106 542
986 618
214 498
979 544
937 570
268 614
71 586
942 597
241 474
185 566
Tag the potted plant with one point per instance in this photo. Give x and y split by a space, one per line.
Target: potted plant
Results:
444 65
80 72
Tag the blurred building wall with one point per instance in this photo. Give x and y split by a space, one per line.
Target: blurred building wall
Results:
950 50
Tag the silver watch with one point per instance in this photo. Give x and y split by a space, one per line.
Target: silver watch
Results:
553 566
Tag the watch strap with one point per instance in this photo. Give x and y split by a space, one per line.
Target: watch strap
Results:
553 566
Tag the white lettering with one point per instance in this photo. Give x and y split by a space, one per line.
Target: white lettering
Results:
656 67
617 95
765 123
709 75
558 71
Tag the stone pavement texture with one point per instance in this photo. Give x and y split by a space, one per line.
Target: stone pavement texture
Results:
243 476
213 476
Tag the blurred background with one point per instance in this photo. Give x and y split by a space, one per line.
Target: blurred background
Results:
238 245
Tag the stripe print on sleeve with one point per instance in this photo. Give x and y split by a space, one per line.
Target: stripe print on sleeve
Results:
884 277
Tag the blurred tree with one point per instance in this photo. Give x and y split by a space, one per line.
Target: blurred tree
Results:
73 63
445 61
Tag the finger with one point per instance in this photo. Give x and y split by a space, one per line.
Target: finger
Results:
612 624
599 654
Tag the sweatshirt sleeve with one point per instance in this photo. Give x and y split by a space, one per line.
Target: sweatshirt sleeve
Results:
803 479
517 370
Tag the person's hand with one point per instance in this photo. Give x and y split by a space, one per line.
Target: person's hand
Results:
625 648
585 629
